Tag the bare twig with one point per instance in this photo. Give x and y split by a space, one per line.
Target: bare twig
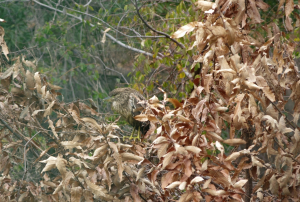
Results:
154 30
107 35
112 69
20 136
25 168
88 3
286 119
11 130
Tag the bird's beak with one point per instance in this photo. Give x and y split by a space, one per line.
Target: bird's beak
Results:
107 99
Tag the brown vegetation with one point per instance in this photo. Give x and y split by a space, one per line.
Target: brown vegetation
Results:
240 88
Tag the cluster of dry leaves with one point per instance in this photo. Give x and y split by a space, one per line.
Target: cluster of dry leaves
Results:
240 89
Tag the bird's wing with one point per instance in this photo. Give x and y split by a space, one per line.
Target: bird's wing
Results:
136 105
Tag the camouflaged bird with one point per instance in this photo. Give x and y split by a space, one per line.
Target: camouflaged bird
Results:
125 102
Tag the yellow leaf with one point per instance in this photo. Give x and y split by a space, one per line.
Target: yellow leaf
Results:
182 75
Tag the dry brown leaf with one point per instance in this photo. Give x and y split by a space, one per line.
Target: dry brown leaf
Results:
240 184
104 35
50 125
167 117
274 185
233 156
129 156
187 197
36 112
289 7
215 136
49 109
204 5
220 147
215 192
76 193
92 122
38 82
3 43
182 186
160 139
193 149
254 13
71 144
269 94
99 190
264 6
197 179
175 102
140 173
288 23
180 150
29 63
256 162
153 100
100 150
54 87
266 45
134 191
185 30
141 117
234 142
282 127
161 151
29 80
296 146
50 163
61 165
271 111
173 185
167 159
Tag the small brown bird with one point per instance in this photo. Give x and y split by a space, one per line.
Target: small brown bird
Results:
125 102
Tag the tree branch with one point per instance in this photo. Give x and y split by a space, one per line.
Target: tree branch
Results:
20 136
107 35
112 69
154 30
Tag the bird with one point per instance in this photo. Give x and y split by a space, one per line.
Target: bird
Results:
125 101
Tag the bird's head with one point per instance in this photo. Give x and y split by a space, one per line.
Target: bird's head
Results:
117 97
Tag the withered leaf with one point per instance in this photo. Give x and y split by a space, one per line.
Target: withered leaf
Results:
193 149
240 184
274 185
215 192
184 30
76 193
129 156
204 5
233 156
197 179
234 142
173 185
141 117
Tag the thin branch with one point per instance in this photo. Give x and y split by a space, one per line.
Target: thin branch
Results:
290 155
9 1
108 25
112 70
156 31
20 136
25 168
11 130
88 3
72 89
107 35
286 119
